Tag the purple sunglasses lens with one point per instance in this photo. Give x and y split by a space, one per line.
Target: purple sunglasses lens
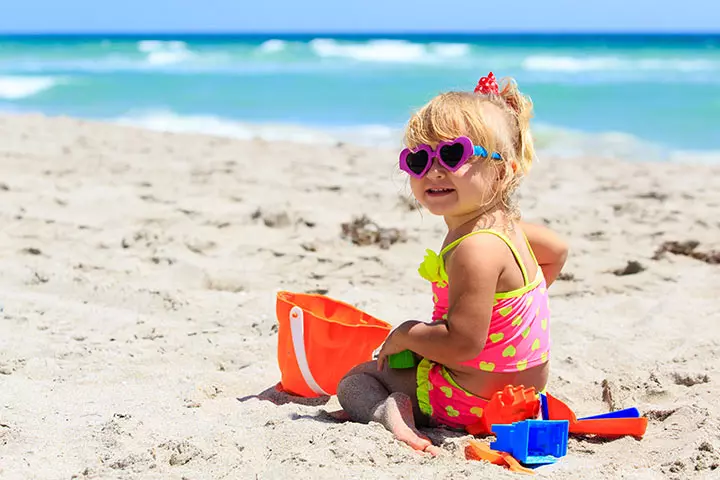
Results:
417 162
453 154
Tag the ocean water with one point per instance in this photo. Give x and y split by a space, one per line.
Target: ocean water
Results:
637 96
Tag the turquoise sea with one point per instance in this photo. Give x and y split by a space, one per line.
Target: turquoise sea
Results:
637 96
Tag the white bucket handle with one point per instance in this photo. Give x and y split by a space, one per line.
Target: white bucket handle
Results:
297 331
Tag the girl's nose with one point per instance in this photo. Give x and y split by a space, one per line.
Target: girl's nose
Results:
436 171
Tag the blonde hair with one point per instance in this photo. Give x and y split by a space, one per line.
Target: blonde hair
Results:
453 114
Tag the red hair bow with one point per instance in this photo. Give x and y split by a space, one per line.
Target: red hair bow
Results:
487 85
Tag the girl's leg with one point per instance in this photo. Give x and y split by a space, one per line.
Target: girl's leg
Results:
388 397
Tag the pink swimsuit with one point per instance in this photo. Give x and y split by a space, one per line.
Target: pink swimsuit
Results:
518 338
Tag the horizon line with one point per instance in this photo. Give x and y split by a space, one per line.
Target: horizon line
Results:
357 33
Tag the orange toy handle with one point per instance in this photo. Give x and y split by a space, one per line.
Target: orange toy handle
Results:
297 332
611 427
481 451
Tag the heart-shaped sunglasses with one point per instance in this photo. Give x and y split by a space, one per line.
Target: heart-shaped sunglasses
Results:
450 154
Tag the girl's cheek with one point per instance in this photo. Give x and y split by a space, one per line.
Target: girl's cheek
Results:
415 186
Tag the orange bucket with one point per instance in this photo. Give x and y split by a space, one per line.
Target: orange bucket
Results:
320 340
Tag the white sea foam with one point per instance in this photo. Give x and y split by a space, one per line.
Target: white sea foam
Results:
165 53
373 51
450 50
557 63
388 51
567 143
147 46
168 121
272 46
17 87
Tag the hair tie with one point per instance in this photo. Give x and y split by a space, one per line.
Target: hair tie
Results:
487 85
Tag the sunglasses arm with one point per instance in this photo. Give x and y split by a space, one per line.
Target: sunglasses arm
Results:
479 151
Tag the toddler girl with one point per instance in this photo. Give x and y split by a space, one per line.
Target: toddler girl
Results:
466 154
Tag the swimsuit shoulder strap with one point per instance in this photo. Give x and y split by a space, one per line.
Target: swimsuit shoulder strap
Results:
502 237
532 254
455 243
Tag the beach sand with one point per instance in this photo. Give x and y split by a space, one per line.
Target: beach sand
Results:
138 273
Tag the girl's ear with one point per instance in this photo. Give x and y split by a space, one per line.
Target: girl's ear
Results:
502 171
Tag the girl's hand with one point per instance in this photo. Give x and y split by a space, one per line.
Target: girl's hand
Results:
394 343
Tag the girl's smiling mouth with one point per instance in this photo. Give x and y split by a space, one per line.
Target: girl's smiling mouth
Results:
436 192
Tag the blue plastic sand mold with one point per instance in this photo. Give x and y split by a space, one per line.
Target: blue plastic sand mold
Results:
533 442
624 413
544 407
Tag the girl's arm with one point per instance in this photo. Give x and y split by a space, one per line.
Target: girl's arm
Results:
550 250
473 269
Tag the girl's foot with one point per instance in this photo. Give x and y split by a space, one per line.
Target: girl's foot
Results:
396 415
